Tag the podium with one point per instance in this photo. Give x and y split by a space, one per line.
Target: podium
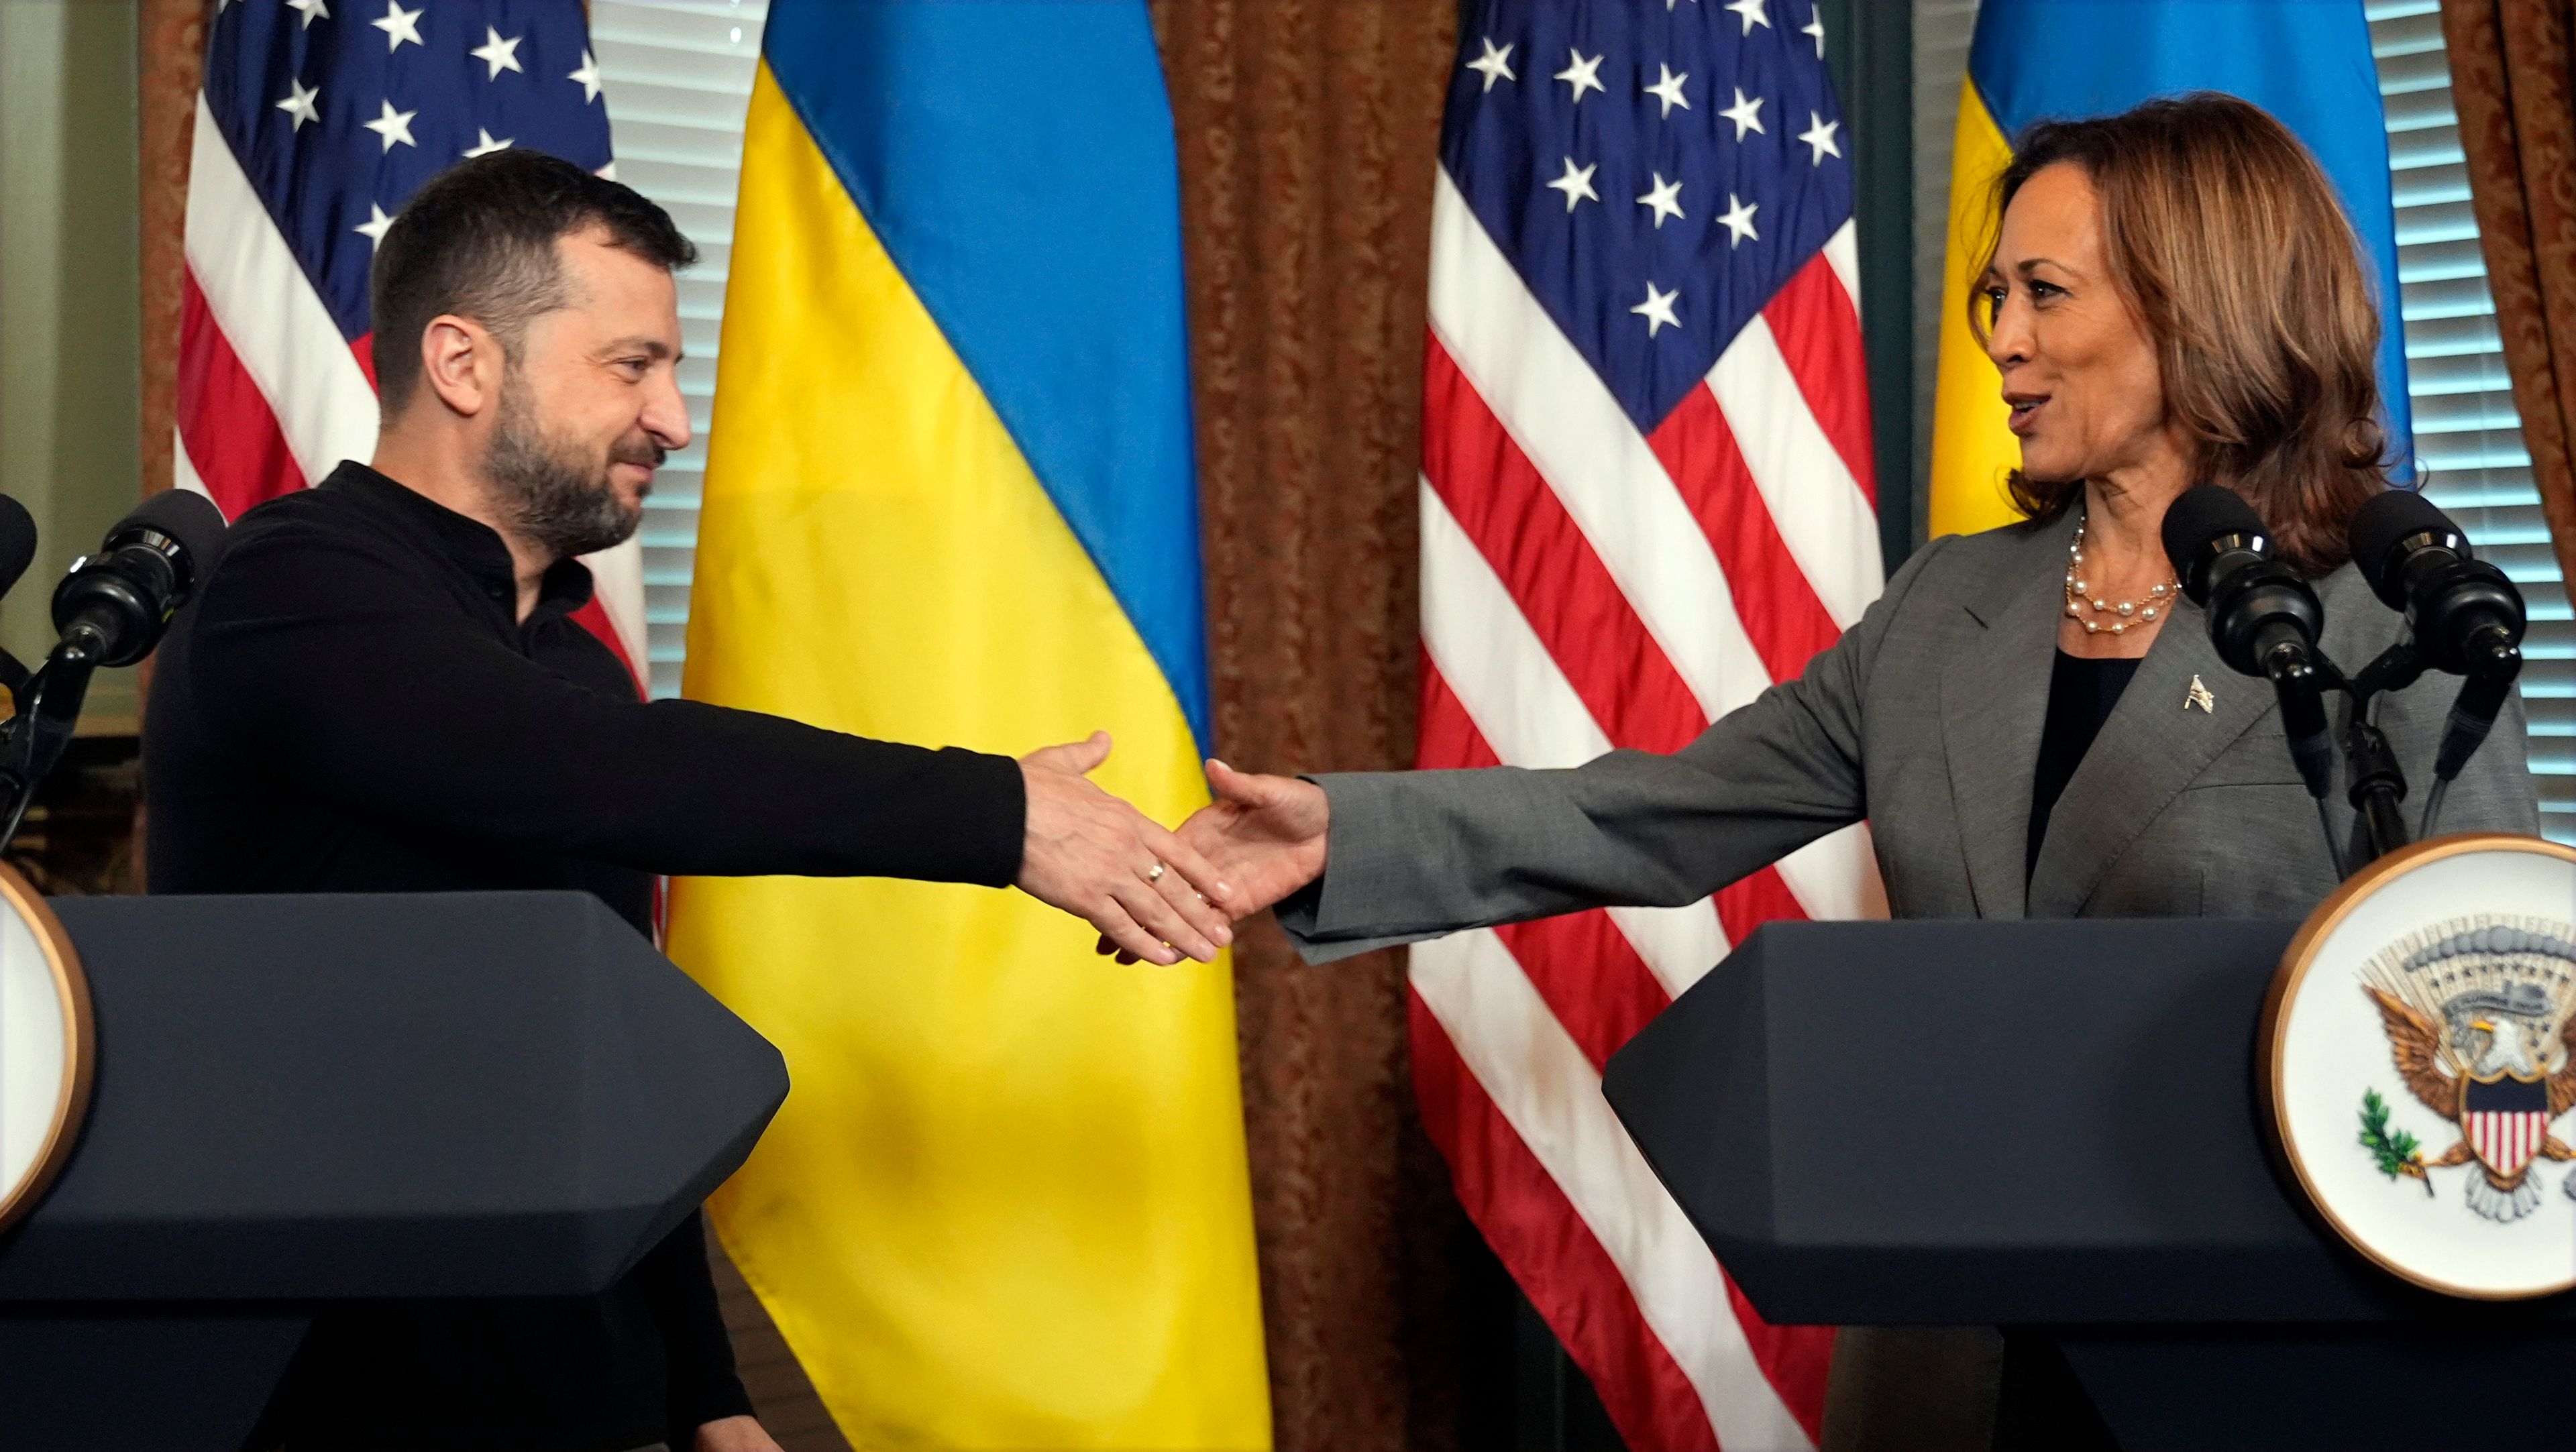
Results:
306 1099
2052 1127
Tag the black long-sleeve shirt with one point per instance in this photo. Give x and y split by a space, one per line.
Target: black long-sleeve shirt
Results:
350 705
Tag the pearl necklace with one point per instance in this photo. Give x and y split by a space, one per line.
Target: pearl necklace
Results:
2124 613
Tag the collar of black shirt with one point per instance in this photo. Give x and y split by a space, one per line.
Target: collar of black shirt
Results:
474 547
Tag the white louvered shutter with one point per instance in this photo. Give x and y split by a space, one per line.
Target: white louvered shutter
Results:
1942 30
678 79
2468 441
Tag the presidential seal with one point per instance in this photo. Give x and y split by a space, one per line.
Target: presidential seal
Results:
46 1047
2419 1059
2478 1012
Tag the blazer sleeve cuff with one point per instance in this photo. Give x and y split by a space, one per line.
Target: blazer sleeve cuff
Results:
1370 876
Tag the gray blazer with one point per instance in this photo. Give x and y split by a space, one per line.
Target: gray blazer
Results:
1924 719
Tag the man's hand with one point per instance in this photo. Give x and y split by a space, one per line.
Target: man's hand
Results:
1264 834
734 1434
1096 857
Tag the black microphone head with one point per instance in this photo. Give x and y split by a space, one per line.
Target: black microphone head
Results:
114 605
17 541
2379 526
182 515
2202 515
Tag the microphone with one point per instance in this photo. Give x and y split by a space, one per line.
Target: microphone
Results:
17 542
17 551
112 607
2465 617
2263 616
2465 614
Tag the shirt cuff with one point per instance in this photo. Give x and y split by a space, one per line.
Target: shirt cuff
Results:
993 809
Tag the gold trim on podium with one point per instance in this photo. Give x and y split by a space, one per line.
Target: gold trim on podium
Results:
80 1046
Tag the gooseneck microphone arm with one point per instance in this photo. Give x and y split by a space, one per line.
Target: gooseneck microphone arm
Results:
2474 710
2300 677
49 707
2300 680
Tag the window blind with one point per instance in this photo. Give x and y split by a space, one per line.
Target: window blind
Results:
677 76
1942 30
2468 440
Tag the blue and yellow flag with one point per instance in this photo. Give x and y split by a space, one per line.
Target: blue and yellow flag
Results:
2308 63
951 500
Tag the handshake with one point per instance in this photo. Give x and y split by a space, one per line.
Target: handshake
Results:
1155 895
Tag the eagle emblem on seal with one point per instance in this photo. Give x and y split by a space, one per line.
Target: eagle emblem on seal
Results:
2481 1021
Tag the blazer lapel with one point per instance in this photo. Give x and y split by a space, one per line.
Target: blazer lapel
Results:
2155 743
1994 700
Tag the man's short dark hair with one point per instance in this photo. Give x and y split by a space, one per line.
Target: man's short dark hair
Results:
478 241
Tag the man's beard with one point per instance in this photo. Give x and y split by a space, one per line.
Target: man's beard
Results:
553 495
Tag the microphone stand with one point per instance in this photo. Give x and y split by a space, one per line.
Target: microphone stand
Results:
32 741
2493 666
2378 782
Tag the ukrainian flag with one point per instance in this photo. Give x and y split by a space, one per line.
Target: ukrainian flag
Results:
951 500
2306 61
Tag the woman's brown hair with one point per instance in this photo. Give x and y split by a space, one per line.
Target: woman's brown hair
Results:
2224 235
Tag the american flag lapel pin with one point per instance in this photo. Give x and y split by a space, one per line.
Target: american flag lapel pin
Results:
2199 696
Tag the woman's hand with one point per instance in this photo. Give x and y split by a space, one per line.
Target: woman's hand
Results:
734 1434
1264 835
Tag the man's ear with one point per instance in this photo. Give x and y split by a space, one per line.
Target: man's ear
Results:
461 363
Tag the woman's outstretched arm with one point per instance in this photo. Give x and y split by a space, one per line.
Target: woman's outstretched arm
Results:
1363 860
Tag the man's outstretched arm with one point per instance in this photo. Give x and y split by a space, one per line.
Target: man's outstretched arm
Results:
321 660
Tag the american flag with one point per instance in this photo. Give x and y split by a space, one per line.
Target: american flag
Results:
318 120
1646 496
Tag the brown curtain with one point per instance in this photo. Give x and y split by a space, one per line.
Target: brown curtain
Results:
172 40
2517 105
1308 133
170 48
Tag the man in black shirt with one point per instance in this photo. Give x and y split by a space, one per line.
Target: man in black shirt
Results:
379 688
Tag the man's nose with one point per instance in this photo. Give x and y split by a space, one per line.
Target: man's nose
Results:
666 413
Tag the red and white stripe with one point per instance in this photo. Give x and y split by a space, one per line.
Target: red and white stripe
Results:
1584 587
270 396
2507 1140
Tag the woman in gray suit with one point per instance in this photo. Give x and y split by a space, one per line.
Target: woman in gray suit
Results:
2031 720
